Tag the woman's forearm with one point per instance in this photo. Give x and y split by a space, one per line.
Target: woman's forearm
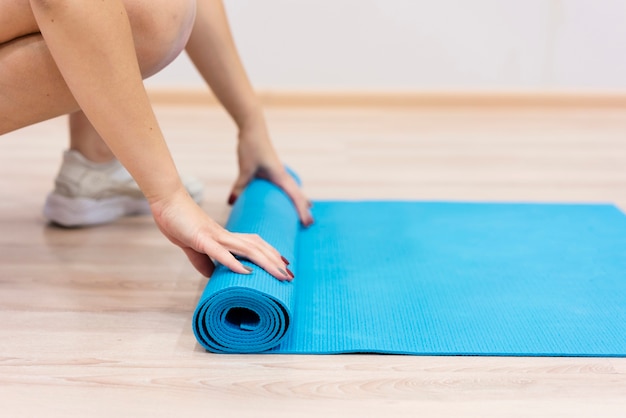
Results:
92 45
212 49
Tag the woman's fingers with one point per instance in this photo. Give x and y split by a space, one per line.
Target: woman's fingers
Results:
240 184
279 262
184 223
220 252
248 246
295 193
255 249
286 183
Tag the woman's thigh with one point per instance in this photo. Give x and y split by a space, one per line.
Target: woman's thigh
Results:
16 20
160 28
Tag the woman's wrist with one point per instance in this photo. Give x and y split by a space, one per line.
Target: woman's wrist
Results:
166 190
252 118
160 203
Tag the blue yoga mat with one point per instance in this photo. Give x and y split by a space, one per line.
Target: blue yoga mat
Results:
427 278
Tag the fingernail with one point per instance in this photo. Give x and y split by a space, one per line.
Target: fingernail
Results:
290 274
232 199
285 260
309 223
283 272
310 204
249 269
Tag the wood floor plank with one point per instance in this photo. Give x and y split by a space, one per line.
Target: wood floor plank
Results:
97 322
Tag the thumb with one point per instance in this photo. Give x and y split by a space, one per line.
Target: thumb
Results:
201 262
240 184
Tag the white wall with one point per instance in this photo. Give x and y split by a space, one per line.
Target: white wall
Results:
424 45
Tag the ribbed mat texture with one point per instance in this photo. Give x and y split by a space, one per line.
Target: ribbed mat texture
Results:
427 278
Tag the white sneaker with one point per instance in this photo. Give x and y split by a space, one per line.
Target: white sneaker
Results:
88 193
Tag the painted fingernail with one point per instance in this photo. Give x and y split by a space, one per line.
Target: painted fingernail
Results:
310 204
248 269
283 272
232 199
290 274
285 260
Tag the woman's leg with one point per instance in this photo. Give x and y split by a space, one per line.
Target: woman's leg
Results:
16 19
93 44
85 139
31 86
32 89
92 187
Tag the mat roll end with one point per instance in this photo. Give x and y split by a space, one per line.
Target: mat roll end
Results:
240 320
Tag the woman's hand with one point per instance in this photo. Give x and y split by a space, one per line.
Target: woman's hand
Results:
185 224
257 158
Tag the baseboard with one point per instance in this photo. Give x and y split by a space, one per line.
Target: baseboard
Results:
403 99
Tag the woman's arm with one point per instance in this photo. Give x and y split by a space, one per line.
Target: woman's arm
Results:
92 45
213 52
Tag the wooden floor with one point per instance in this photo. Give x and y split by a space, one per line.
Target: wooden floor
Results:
97 322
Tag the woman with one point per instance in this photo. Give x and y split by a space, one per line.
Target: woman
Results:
88 59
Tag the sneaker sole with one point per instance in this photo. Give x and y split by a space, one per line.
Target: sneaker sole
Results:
75 212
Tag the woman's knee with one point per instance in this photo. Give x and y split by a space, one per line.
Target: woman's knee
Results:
16 20
161 29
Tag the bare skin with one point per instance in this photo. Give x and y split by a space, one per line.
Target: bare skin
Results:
61 56
212 50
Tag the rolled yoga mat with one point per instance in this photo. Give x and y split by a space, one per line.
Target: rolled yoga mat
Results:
426 278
